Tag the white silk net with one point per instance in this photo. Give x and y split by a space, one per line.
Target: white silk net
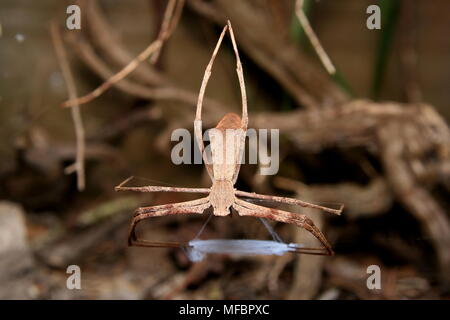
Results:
197 249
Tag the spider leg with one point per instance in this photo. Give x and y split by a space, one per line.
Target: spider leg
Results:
288 201
240 74
249 209
198 116
313 251
121 187
244 121
158 244
187 207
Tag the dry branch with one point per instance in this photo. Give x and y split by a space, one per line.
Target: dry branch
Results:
104 38
78 166
171 18
149 83
313 38
299 75
414 197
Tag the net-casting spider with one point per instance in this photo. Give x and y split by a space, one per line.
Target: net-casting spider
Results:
222 196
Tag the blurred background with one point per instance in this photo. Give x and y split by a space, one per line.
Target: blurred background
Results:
373 136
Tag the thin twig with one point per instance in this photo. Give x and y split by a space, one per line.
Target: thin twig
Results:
106 41
313 38
278 56
170 21
78 166
172 14
87 54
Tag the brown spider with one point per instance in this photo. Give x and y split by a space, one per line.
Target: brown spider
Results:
222 196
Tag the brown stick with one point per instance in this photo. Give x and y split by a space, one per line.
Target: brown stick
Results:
154 47
414 197
307 84
104 38
78 166
313 38
170 21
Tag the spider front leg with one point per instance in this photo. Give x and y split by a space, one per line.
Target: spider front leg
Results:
198 131
249 209
122 187
188 207
244 117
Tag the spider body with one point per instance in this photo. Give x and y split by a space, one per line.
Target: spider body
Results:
227 141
